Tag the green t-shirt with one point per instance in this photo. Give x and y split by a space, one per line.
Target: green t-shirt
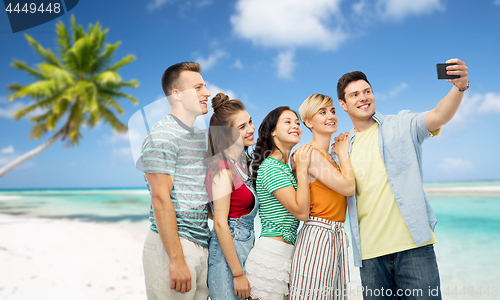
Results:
276 220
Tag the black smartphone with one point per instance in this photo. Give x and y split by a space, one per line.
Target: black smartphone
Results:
441 71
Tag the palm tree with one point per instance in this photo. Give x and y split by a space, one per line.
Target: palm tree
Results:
79 86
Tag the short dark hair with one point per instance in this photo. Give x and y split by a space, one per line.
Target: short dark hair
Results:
170 78
348 78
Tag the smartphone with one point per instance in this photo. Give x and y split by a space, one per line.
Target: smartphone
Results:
441 72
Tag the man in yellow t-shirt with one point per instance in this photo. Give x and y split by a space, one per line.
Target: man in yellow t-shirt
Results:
391 219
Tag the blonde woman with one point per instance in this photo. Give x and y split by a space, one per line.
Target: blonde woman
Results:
319 263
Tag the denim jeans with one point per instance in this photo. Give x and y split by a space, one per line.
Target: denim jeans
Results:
410 274
220 277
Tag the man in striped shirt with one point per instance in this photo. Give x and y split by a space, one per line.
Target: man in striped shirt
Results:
176 249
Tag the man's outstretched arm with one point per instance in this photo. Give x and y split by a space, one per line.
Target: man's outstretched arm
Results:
166 223
448 106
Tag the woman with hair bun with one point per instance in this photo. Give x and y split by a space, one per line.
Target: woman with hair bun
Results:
233 200
284 201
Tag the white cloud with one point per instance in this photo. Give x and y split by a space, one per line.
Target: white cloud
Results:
115 138
285 64
203 3
238 65
9 155
491 103
452 165
202 121
214 89
155 4
473 106
392 93
122 152
399 9
497 2
7 108
360 7
289 23
184 7
210 61
395 91
8 150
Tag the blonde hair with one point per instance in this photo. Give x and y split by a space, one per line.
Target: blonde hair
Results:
312 104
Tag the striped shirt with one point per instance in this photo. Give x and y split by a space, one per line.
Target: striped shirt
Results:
276 220
173 148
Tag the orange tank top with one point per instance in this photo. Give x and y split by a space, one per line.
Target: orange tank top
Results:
326 203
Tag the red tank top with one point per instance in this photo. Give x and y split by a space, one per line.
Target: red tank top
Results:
242 200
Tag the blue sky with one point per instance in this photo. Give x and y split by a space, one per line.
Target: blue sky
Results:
272 53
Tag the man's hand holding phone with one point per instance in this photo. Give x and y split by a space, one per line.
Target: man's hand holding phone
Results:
455 71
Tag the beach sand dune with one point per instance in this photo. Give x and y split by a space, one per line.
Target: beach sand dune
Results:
65 259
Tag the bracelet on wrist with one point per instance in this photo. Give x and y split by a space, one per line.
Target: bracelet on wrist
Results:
236 276
464 89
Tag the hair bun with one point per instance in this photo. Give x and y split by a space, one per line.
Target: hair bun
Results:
219 100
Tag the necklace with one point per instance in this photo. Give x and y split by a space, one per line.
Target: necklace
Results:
239 169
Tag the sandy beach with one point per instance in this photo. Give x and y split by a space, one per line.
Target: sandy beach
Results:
65 259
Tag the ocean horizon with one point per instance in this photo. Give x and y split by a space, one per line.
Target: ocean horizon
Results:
467 183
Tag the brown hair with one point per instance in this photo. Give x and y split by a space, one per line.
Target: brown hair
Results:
348 78
221 132
170 78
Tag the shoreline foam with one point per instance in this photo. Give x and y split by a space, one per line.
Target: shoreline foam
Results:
465 191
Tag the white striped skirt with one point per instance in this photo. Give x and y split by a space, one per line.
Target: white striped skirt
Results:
320 268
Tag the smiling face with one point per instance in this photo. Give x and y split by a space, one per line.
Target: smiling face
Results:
359 101
193 92
323 121
288 132
243 122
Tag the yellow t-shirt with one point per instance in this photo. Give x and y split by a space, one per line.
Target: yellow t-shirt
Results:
382 228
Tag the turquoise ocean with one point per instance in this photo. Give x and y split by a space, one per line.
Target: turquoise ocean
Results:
468 229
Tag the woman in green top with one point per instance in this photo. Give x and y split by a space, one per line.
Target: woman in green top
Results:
283 202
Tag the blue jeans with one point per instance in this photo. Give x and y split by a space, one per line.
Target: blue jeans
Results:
410 274
220 277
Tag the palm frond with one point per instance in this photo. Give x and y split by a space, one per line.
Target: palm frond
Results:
43 105
108 117
14 87
63 38
107 78
110 102
46 55
105 57
122 62
38 130
21 65
118 94
60 76
37 90
41 118
77 30
60 106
